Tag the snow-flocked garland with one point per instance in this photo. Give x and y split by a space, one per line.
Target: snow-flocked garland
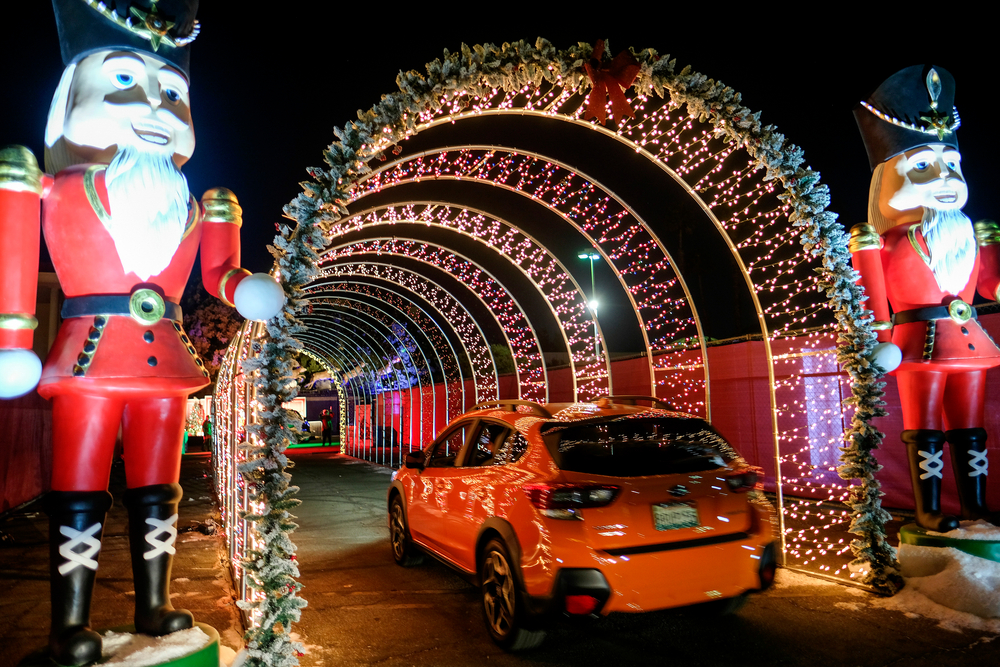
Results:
481 69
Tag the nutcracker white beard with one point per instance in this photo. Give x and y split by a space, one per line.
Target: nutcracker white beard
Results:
952 244
148 196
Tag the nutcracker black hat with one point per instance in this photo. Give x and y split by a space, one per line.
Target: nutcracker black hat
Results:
912 108
163 28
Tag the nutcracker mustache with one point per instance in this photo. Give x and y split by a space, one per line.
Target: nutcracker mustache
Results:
952 244
149 198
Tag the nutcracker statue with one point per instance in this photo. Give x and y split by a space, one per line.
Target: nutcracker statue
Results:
922 256
123 233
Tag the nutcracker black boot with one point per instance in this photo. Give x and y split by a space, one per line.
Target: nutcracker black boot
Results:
968 458
925 448
152 530
76 523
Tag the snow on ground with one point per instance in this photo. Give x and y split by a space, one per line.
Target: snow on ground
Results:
954 580
122 649
972 530
958 590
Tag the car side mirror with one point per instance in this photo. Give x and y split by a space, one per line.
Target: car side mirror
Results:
414 460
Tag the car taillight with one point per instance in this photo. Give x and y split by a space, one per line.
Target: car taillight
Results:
746 479
580 605
560 501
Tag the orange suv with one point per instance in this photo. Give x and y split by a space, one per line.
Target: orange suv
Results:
584 509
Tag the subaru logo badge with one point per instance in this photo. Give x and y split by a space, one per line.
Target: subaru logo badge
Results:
679 490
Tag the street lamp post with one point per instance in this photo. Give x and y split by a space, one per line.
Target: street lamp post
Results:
593 299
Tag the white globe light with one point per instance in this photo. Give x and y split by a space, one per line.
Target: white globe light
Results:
887 355
259 297
20 371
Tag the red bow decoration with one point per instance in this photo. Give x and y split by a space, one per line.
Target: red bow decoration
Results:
610 80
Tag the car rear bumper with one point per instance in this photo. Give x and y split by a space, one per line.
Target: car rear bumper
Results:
675 578
649 579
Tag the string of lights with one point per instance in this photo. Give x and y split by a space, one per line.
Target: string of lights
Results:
747 180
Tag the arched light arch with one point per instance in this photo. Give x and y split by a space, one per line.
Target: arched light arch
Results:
510 317
642 265
473 339
755 211
556 286
439 343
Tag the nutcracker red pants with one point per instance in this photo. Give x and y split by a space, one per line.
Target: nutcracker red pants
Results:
941 401
85 429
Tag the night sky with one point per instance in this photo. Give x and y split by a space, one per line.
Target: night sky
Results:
268 89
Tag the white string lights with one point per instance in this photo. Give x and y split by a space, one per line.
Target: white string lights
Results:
749 182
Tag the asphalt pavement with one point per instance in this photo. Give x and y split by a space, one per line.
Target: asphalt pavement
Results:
365 610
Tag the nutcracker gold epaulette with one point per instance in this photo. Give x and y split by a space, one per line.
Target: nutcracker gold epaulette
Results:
987 232
864 237
221 205
19 170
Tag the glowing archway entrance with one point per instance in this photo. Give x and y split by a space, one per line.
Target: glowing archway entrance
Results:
482 182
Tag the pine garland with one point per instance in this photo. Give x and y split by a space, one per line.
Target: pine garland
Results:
477 71
272 569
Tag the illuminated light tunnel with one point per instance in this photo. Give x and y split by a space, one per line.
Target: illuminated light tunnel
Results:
461 246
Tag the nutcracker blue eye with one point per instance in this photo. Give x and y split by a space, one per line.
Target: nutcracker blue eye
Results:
172 95
123 80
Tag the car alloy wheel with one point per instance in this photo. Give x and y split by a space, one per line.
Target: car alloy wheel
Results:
403 551
502 607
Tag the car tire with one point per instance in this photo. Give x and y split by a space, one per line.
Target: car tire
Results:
503 605
403 550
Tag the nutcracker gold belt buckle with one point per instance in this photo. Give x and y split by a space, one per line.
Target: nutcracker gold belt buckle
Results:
146 306
959 311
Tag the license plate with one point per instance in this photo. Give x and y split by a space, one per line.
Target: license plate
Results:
671 516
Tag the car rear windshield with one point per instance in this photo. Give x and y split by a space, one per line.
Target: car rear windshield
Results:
634 447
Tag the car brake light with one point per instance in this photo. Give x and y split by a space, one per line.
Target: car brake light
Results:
561 501
581 604
747 479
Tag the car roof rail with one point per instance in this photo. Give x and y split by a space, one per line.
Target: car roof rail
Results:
632 399
511 405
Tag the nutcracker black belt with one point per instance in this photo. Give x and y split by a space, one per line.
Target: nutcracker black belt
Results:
143 305
957 310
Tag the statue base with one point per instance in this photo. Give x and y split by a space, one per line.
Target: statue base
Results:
913 534
205 656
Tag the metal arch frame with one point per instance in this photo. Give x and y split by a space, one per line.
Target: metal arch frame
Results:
502 291
452 303
325 363
372 336
362 306
452 358
429 344
500 326
360 356
562 272
354 390
449 373
422 356
640 149
439 292
372 395
672 265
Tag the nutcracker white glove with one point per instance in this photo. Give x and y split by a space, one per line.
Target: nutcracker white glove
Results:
20 371
259 297
886 355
